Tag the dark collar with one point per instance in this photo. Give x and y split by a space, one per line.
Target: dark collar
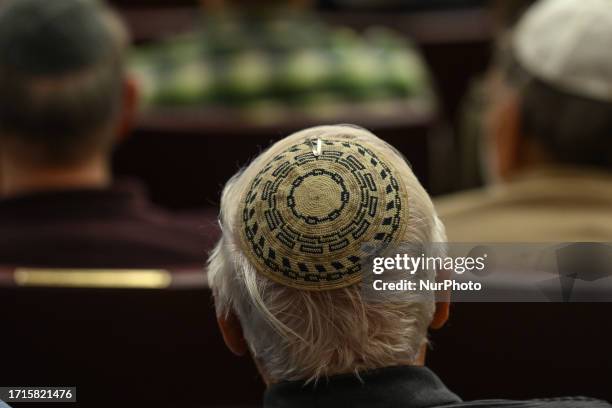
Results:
401 387
124 197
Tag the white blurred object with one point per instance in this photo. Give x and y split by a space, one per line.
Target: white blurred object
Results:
568 43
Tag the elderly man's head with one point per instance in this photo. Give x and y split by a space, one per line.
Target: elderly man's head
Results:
553 101
64 96
286 272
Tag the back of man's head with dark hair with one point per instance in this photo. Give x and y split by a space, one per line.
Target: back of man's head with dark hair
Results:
61 76
559 59
571 129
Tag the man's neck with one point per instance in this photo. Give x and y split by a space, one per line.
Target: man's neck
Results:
24 180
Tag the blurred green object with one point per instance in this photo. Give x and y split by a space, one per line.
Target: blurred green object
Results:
274 60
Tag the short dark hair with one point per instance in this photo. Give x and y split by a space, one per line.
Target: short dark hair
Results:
61 75
570 128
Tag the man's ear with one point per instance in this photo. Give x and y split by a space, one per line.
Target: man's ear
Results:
129 108
506 129
442 303
440 315
231 330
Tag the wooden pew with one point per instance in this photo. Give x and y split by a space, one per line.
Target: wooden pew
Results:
160 346
151 341
525 350
186 156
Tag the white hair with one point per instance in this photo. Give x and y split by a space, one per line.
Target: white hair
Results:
305 335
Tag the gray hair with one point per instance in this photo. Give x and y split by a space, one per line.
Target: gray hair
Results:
304 335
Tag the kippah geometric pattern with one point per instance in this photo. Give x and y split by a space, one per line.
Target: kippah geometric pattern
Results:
306 217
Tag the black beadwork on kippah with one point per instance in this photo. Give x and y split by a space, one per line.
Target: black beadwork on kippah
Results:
306 218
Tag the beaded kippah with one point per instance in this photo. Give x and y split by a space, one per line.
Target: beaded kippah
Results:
308 215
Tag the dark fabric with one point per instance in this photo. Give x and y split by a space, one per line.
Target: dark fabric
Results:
394 387
106 228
